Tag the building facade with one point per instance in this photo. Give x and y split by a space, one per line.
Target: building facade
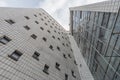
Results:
96 29
33 46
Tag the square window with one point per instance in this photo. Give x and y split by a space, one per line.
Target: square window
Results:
36 55
33 36
27 17
57 66
16 55
10 21
26 27
4 39
46 68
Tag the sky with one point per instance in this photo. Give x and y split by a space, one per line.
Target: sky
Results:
58 9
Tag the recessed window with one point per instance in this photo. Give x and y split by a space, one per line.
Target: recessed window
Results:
53 37
69 56
48 21
46 24
64 56
62 37
51 26
57 65
40 14
44 39
58 32
75 62
35 15
51 47
63 44
33 36
10 21
73 74
48 31
71 50
36 55
52 23
45 17
41 28
36 22
15 55
27 17
26 27
67 45
58 48
59 39
55 31
66 77
4 39
42 19
46 68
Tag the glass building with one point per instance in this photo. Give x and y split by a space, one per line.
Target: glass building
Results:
96 29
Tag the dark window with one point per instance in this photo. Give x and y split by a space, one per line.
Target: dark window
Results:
26 27
58 32
51 26
44 39
51 47
35 15
46 24
66 77
41 28
73 74
67 45
10 21
59 39
46 68
53 37
52 23
71 50
57 66
40 14
15 55
55 31
62 37
27 17
80 14
36 22
63 44
64 56
42 19
58 48
45 17
4 39
33 36
36 55
48 31
75 62
69 56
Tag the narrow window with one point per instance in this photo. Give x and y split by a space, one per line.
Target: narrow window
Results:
4 39
42 19
46 24
46 68
44 39
26 27
66 77
51 47
15 55
10 21
57 66
73 74
36 55
75 62
27 17
33 36
40 14
59 39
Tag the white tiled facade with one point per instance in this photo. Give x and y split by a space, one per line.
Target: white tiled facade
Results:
28 68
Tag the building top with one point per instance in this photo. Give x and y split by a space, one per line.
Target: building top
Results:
106 6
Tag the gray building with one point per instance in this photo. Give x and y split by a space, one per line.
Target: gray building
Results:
33 46
96 29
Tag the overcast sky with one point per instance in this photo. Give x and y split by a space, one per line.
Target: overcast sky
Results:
58 9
